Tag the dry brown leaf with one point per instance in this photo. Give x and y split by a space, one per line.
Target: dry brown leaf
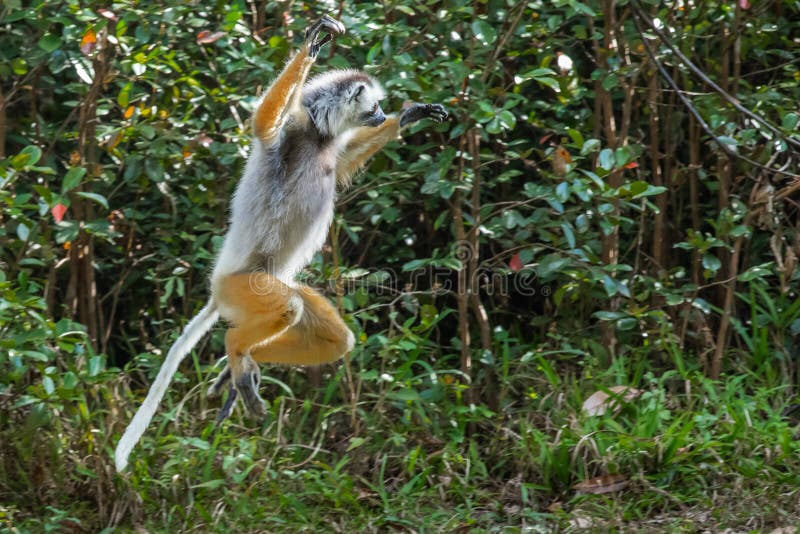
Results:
600 401
560 158
603 484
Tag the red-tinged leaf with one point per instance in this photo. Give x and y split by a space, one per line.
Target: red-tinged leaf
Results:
631 165
58 212
88 42
516 263
544 138
744 4
206 37
107 14
604 484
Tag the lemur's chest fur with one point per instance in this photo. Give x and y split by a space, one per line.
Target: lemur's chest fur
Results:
285 201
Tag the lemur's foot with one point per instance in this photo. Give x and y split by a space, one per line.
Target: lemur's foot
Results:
331 27
418 112
220 383
247 386
228 406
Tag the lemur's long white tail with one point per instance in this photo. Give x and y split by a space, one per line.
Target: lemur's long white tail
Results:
196 328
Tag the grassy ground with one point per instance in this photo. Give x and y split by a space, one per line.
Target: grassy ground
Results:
687 455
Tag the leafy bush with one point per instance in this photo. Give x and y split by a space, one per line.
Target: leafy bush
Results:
576 225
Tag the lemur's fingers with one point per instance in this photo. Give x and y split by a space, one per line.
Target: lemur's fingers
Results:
418 112
334 28
437 112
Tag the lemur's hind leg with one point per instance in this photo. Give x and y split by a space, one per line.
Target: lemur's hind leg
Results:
320 336
260 307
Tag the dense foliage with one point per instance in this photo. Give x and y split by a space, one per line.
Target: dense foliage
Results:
612 203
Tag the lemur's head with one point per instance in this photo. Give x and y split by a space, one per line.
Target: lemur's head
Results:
342 99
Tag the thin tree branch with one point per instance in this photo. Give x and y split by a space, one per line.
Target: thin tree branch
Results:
708 81
696 114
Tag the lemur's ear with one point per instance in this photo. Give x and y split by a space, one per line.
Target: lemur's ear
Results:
357 91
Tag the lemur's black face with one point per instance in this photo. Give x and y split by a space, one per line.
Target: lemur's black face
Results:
373 117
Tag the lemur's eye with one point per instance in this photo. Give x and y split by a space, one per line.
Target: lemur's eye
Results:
375 108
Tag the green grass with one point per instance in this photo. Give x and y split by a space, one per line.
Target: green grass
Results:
694 453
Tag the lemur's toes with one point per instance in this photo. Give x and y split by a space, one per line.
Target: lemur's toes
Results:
219 384
332 25
247 387
326 23
225 412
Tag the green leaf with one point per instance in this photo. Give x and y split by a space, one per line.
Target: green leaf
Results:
50 42
606 159
27 157
552 83
641 189
48 384
610 285
551 264
562 192
610 82
569 235
483 32
582 223
355 443
790 121
69 380
590 146
542 75
100 199
123 98
711 262
622 155
576 136
23 232
609 315
756 272
404 395
95 365
154 169
72 179
727 140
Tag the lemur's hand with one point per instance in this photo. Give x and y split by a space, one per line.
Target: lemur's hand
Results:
418 112
332 28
